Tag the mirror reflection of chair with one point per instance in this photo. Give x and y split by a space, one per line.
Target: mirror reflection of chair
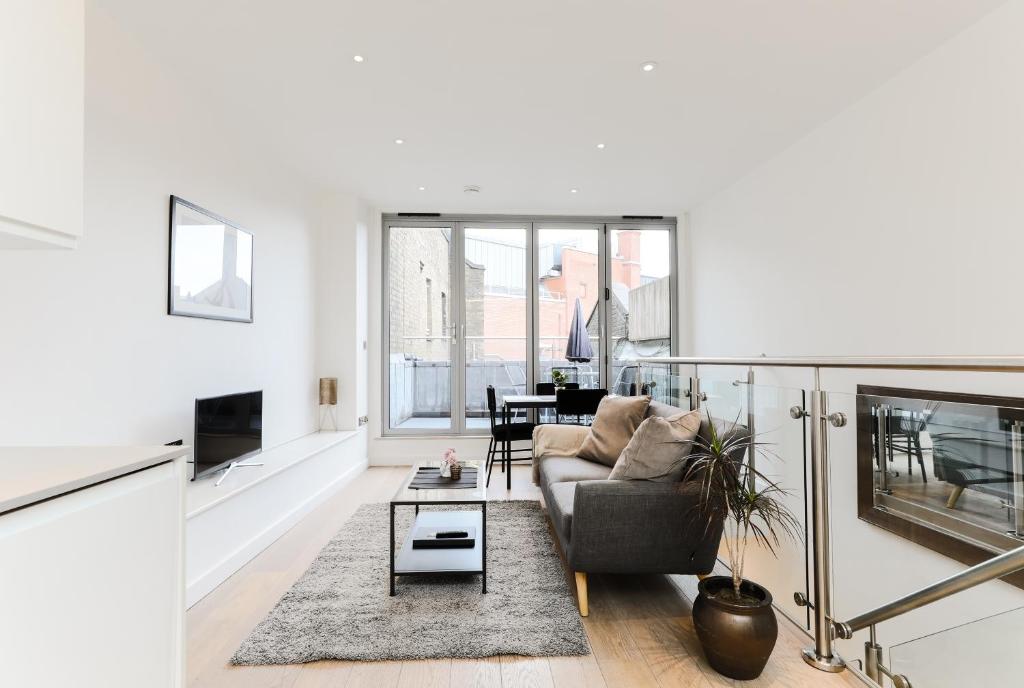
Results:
905 436
578 403
503 435
905 427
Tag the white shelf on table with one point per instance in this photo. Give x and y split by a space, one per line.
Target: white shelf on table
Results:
454 560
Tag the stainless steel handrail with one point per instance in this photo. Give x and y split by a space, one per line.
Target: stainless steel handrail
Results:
996 567
995 364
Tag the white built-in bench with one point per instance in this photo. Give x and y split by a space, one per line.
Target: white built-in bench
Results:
228 525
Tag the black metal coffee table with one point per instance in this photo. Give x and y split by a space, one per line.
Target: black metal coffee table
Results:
462 561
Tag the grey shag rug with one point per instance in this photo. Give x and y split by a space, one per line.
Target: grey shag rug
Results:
340 608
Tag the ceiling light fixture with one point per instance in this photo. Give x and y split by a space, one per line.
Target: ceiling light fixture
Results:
471 188
648 66
358 58
573 190
600 146
423 188
399 141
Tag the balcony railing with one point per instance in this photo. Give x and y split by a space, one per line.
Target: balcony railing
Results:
838 452
420 387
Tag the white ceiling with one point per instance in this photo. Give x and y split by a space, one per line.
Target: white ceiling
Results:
514 96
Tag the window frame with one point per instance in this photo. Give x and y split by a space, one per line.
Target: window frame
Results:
455 294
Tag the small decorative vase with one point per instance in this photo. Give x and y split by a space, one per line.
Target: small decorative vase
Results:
446 469
456 471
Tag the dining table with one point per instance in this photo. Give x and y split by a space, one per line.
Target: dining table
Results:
513 402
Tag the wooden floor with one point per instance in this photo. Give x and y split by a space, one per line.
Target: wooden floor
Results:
639 626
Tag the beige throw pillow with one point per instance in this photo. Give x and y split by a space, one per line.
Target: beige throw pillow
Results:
616 420
658 449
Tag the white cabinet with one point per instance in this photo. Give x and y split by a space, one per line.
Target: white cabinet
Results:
91 586
42 67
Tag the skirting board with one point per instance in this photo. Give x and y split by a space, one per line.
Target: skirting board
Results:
222 539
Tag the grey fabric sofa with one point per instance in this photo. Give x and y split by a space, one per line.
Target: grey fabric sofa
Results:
622 526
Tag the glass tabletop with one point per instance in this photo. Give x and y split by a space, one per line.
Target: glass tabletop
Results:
474 495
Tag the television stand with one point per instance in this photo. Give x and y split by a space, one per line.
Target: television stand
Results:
232 466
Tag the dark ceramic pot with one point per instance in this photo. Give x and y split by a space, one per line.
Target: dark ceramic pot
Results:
737 638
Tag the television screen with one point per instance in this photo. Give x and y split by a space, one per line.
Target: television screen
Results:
227 428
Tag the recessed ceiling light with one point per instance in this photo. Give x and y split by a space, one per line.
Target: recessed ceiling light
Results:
471 188
573 190
358 58
423 188
399 141
648 66
600 146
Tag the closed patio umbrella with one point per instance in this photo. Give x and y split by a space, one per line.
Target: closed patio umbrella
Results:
577 348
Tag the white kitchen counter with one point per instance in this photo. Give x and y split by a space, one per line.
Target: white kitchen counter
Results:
92 566
34 474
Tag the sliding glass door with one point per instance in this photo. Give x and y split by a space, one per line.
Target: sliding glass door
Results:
470 304
420 328
495 344
641 299
568 296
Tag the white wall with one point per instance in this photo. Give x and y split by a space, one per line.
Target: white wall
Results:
87 352
893 229
345 222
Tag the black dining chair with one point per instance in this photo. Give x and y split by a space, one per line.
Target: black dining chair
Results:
581 403
547 389
503 435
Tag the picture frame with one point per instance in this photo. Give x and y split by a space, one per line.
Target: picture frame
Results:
210 265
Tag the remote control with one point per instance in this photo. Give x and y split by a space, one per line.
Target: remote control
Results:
451 534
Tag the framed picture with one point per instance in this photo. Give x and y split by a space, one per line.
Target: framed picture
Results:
210 268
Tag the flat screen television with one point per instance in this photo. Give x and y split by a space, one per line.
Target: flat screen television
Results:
227 428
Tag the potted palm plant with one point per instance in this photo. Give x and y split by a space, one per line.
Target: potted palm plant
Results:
733 616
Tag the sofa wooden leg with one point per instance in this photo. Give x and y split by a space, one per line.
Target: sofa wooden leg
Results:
581 592
954 496
702 576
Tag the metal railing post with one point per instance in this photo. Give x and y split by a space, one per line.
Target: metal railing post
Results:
873 658
1017 456
874 666
695 393
821 656
751 432
883 418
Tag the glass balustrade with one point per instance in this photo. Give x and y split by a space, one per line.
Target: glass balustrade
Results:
669 384
780 460
977 653
920 487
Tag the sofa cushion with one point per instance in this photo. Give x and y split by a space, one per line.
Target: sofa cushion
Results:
616 420
560 500
564 469
658 449
663 410
728 432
